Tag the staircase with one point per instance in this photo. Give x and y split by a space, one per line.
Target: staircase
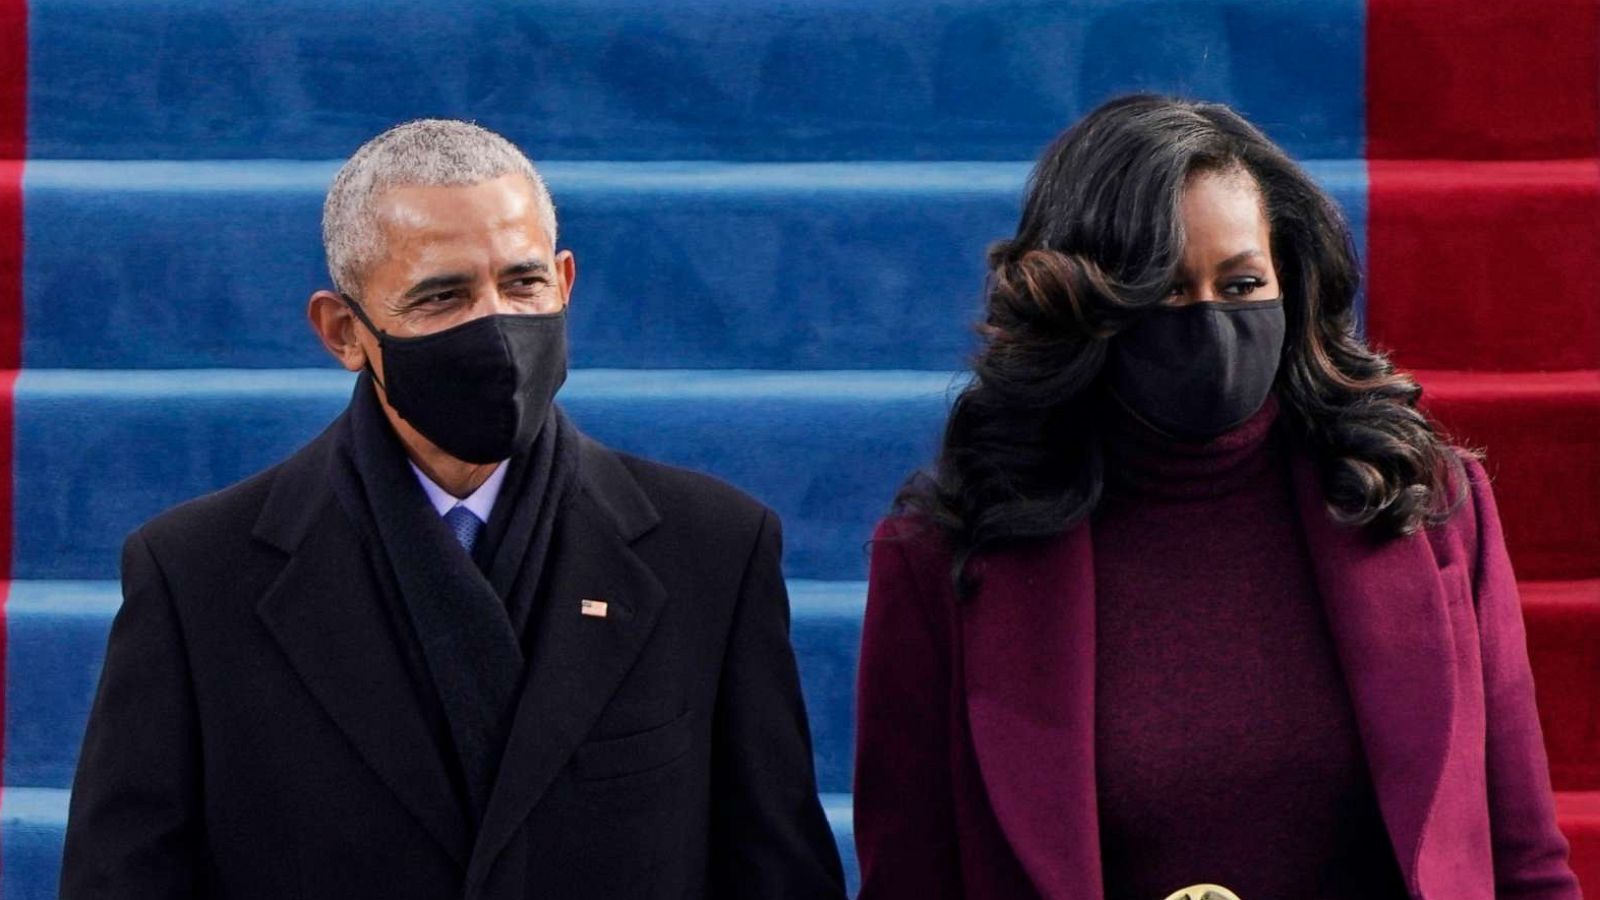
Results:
779 210
1483 172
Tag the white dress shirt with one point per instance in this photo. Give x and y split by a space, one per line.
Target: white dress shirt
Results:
480 502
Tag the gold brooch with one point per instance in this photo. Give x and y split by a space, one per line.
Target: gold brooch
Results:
1203 892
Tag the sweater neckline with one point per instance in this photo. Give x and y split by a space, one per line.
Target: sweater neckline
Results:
1142 462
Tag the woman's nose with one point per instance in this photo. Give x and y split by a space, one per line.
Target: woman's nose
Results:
1203 295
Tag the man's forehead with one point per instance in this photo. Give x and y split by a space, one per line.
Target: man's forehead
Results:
508 199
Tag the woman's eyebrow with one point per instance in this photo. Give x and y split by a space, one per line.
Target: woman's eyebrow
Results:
1240 257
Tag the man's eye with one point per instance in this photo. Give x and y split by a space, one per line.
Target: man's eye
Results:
442 298
532 282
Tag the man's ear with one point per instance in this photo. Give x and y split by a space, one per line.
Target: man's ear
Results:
337 328
567 269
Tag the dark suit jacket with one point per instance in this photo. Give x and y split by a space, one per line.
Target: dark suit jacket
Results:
975 768
257 734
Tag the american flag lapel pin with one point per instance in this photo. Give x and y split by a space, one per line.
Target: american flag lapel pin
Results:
596 608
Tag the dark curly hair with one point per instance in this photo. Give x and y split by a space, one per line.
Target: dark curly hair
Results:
1098 246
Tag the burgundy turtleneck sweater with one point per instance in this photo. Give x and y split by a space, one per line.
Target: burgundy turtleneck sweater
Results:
1226 744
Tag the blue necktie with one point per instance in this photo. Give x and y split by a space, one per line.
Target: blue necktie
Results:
464 525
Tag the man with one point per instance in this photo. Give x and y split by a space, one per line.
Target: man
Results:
452 647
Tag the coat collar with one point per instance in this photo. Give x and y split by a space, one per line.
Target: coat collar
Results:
326 613
1028 644
1028 654
286 516
577 660
301 485
470 650
1388 613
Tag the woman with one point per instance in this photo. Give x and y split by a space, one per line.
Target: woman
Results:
1194 593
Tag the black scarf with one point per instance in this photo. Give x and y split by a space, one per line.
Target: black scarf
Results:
467 615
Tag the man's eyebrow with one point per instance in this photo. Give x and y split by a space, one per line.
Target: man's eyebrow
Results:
438 283
526 267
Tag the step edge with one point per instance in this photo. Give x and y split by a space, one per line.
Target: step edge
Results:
808 597
53 384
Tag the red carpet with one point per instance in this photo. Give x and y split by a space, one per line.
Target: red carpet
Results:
1542 435
1483 144
1580 819
13 84
1564 643
10 273
1485 266
13 150
1482 79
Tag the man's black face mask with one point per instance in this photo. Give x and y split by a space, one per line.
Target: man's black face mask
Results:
1196 371
480 390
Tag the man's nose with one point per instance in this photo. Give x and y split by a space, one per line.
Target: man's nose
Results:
497 302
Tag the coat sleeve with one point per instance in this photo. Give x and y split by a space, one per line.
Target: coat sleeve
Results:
1530 854
133 826
769 837
904 807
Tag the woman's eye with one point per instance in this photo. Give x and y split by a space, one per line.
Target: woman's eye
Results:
1245 287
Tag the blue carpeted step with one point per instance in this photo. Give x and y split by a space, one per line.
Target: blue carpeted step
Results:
680 265
841 814
727 79
826 633
33 822
55 645
98 452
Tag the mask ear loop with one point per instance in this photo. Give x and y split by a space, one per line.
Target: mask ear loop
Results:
355 307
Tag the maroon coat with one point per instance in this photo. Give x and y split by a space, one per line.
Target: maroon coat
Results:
975 748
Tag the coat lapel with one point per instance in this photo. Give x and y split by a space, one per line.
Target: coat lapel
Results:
1032 624
577 660
1387 612
326 614
1028 644
472 653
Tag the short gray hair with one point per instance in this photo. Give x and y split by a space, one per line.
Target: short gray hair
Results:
430 152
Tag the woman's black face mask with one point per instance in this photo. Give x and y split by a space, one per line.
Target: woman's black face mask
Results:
480 390
1195 371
